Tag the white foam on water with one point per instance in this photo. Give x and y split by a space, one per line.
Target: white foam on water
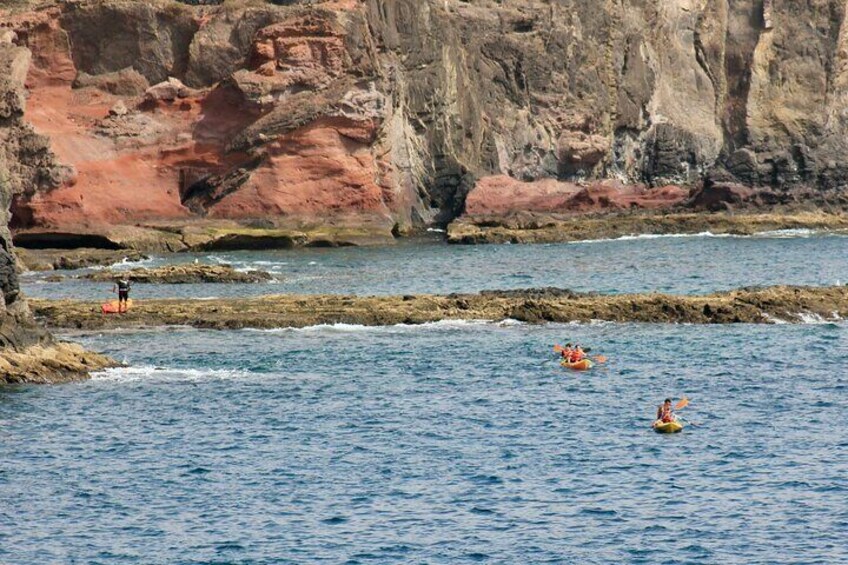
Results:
435 230
641 236
441 324
354 328
123 264
146 372
813 318
773 234
773 319
788 233
262 262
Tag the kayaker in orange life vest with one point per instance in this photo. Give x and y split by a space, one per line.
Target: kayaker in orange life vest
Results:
664 413
566 351
576 354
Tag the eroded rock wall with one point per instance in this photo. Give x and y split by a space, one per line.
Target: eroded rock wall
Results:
25 162
28 354
387 113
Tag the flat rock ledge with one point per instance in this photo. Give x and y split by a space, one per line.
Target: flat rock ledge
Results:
50 364
749 305
553 228
71 259
183 274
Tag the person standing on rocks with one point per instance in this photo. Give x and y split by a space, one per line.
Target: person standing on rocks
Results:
122 286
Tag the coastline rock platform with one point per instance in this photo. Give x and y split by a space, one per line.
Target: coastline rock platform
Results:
748 305
51 363
71 259
182 274
552 228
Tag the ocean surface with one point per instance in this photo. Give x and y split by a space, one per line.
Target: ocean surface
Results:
460 442
675 264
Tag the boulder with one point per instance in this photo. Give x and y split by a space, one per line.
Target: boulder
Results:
168 91
119 109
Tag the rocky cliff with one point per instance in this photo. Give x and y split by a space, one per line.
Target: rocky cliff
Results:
27 352
380 116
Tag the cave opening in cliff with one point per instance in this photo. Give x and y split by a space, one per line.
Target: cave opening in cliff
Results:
59 240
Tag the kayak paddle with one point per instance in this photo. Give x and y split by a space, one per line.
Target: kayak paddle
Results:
683 403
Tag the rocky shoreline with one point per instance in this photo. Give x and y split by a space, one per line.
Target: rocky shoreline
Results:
72 259
182 274
762 305
552 228
51 363
192 236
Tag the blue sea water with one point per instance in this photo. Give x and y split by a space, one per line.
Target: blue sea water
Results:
457 442
675 264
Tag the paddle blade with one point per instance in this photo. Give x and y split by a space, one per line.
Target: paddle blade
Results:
558 348
683 403
600 359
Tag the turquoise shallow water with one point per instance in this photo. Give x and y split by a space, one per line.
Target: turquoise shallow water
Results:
446 443
451 442
683 265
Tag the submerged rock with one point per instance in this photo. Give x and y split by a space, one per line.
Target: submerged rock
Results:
183 274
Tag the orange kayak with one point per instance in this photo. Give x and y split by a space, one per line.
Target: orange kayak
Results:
112 307
582 365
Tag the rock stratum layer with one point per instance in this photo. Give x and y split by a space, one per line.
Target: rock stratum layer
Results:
388 115
27 352
767 305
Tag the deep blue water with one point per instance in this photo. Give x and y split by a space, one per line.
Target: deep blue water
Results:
448 443
686 265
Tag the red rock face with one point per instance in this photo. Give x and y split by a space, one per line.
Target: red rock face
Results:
323 168
503 195
306 51
157 155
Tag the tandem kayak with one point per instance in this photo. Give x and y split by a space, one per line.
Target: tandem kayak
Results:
667 427
582 365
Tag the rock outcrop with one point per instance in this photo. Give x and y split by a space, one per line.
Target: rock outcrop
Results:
27 352
391 115
183 274
759 306
71 259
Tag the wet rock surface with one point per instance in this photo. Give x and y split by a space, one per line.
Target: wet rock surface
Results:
766 305
71 259
54 363
182 274
550 228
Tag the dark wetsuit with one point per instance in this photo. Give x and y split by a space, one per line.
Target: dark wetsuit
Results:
123 290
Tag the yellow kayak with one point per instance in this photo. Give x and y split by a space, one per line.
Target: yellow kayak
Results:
582 365
667 427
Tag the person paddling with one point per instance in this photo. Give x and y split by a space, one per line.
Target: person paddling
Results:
665 414
577 354
122 286
566 351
